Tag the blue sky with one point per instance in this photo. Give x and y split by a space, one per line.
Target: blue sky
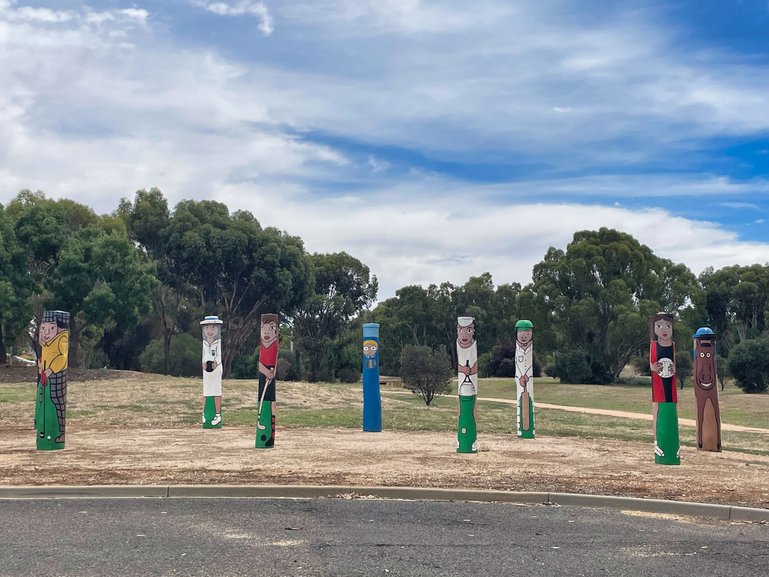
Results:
434 140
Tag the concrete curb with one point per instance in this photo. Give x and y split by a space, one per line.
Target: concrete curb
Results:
722 512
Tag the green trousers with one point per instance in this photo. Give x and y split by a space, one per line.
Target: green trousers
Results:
265 427
46 420
666 451
466 434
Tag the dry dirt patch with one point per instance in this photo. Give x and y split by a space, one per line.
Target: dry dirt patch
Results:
177 453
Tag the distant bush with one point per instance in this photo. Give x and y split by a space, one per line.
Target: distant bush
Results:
506 368
572 367
635 381
749 365
683 368
426 372
348 375
184 358
243 367
641 365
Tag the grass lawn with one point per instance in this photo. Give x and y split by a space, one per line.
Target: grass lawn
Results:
737 408
158 401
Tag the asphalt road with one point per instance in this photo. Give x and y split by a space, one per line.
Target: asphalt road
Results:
340 537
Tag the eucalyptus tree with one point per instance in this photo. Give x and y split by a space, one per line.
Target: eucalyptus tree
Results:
43 227
102 280
235 268
343 289
598 294
15 286
736 302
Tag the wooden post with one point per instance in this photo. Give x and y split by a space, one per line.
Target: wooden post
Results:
51 397
268 362
212 372
705 390
372 400
524 378
467 377
662 362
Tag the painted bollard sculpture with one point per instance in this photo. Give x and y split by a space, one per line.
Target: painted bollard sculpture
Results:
662 361
372 400
212 372
524 378
51 394
705 391
268 361
467 376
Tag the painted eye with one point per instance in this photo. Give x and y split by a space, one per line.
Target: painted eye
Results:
708 355
702 355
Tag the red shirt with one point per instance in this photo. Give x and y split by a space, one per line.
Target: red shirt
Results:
268 356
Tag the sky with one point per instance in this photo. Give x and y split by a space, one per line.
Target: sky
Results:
432 140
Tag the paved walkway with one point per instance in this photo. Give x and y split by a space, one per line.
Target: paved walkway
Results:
610 413
624 415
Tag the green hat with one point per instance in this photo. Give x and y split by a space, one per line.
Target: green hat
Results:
524 325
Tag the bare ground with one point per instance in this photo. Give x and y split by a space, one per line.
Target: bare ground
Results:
183 454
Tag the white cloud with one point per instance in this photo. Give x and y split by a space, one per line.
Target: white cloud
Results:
43 15
377 164
97 104
244 7
408 237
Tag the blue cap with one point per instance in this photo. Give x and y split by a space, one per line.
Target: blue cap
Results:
704 332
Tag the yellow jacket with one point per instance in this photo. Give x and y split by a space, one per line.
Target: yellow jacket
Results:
54 354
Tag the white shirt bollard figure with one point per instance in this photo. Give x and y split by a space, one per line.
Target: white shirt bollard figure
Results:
467 377
524 378
212 372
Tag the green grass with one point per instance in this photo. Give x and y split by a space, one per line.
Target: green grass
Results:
159 401
737 408
16 392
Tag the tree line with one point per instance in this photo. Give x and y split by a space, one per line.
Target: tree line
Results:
137 282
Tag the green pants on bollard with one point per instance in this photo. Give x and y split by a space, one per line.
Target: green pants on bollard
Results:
209 412
46 421
666 452
467 433
265 427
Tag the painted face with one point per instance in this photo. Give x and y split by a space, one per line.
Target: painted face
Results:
466 335
704 363
663 328
370 348
48 331
524 337
269 333
210 332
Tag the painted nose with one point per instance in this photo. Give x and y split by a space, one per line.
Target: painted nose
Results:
706 372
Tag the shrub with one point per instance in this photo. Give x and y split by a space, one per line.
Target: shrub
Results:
572 367
506 368
243 367
348 375
749 365
184 358
683 368
425 371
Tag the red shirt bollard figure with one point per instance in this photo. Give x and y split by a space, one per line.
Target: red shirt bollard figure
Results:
267 365
662 362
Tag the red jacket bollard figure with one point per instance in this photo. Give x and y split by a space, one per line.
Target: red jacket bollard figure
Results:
268 362
662 362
